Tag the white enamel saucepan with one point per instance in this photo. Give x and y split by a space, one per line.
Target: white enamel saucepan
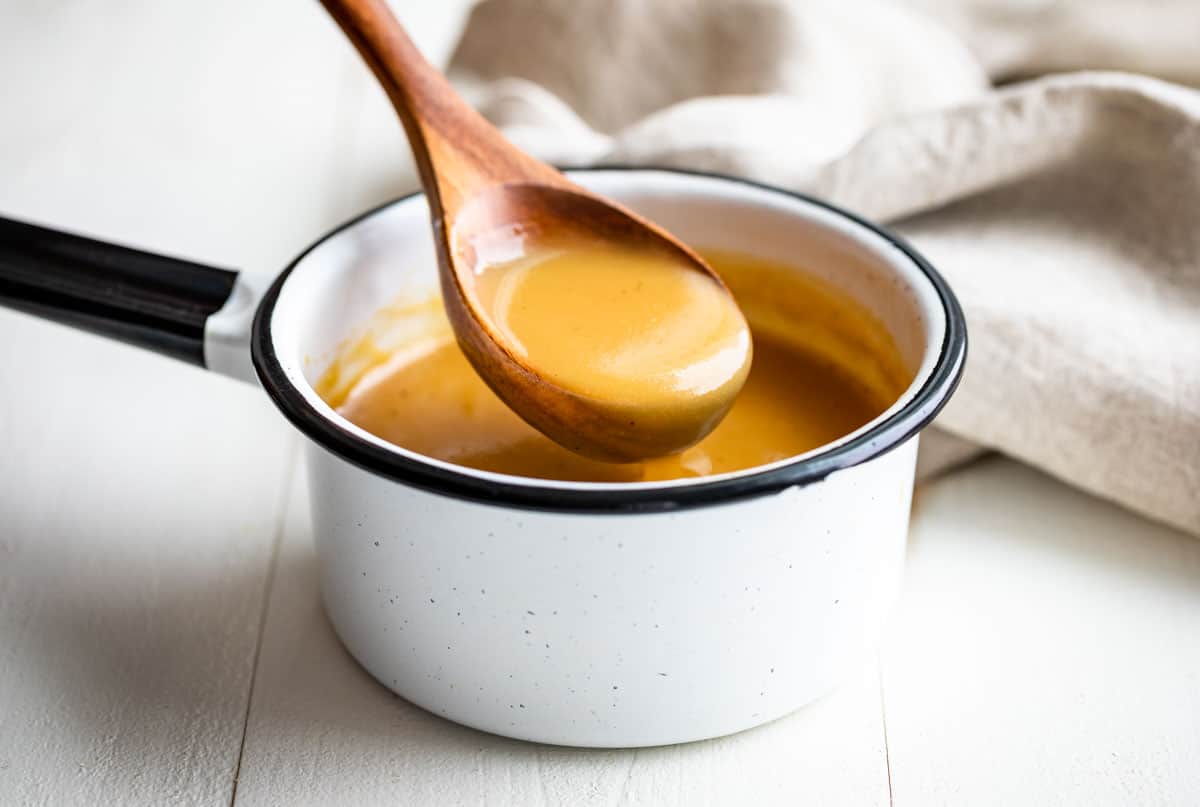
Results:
575 613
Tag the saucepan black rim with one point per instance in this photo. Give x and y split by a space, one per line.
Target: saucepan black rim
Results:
516 493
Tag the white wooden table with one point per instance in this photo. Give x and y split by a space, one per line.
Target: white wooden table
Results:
161 639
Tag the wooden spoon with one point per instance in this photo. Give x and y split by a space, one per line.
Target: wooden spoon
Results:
478 185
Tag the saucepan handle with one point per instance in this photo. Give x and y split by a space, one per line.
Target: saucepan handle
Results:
164 304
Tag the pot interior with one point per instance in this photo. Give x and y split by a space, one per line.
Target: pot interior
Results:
387 257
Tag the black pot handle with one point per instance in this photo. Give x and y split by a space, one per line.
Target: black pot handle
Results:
147 300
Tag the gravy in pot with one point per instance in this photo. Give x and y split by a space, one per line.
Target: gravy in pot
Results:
823 366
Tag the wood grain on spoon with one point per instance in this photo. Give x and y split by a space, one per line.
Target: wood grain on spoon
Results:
498 211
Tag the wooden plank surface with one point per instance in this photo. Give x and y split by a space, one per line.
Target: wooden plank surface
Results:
1047 650
135 536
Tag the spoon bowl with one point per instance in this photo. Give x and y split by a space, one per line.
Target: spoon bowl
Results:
515 219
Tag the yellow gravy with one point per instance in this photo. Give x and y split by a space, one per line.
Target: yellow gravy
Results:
640 329
823 366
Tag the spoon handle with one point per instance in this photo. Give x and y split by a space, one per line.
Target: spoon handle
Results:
457 151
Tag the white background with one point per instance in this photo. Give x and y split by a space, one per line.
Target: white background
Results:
161 639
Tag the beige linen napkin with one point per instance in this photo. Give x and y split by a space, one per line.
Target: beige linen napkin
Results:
1064 210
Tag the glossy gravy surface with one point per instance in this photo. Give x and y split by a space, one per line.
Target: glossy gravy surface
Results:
822 367
637 327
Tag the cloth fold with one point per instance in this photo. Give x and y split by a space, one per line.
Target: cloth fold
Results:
1064 210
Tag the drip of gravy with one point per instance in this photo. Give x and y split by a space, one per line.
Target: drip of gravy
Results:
823 366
